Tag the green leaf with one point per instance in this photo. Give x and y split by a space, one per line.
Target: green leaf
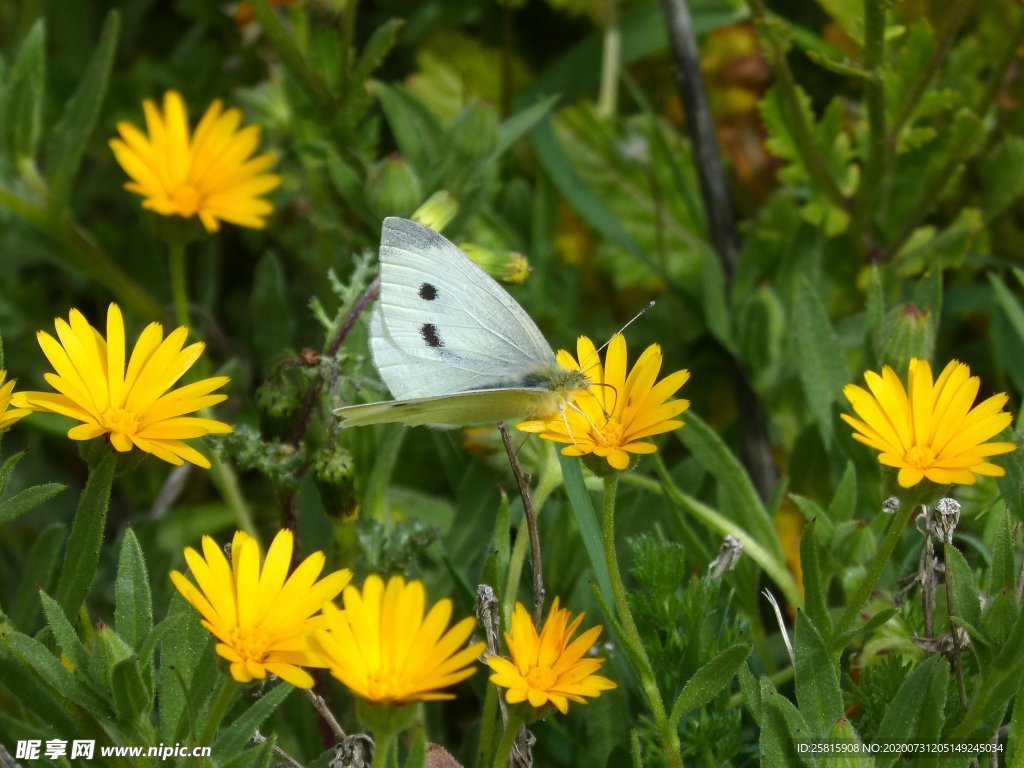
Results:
1003 573
965 591
821 365
869 626
70 136
586 520
131 694
904 713
1002 176
63 632
713 454
843 732
39 566
133 603
418 751
183 659
815 583
9 463
236 735
35 656
817 679
27 500
271 320
781 726
21 97
83 550
417 132
874 310
708 681
376 48
34 695
751 691
521 123
844 502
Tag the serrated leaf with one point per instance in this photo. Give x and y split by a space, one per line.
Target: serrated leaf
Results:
822 367
133 602
71 134
708 681
817 679
27 500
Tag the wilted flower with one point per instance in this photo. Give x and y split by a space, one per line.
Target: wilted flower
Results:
260 616
612 418
931 429
549 667
8 414
386 651
210 173
131 405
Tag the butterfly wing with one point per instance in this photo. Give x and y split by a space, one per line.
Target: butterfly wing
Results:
442 325
487 406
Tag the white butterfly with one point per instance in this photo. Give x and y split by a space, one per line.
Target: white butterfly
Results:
450 343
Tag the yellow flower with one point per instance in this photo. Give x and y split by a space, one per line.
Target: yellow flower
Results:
549 667
260 617
611 419
210 174
384 649
8 414
132 406
930 429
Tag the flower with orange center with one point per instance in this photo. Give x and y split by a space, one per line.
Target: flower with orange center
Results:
930 429
8 414
261 616
611 419
386 651
550 666
130 404
210 173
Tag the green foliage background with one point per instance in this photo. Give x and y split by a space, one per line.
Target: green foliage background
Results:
876 163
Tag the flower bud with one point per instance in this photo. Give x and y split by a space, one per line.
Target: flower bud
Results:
393 187
474 131
507 266
438 211
905 332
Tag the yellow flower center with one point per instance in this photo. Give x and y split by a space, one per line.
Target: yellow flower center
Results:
611 434
383 687
541 679
121 421
250 643
920 457
186 200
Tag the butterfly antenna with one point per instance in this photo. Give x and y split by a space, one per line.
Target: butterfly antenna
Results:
599 350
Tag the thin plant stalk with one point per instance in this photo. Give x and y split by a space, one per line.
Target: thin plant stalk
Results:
508 740
631 636
523 481
874 167
958 667
179 282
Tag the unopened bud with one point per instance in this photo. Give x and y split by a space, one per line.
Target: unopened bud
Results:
507 266
438 211
904 333
393 187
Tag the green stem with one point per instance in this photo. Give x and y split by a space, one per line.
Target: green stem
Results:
958 667
225 696
383 746
611 63
908 503
179 284
224 479
874 61
508 740
666 728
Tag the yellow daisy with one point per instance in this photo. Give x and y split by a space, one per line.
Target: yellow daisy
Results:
930 429
260 616
549 667
8 414
611 419
132 405
210 174
386 651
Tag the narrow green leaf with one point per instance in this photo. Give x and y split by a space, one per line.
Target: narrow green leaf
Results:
874 311
880 618
822 367
39 568
418 751
133 603
1003 574
236 735
64 633
751 691
815 583
965 591
781 726
708 681
713 454
131 695
21 99
844 503
34 695
181 659
380 43
417 132
8 466
811 510
70 136
904 712
27 500
843 732
83 551
521 123
34 655
271 323
1015 736
586 520
817 679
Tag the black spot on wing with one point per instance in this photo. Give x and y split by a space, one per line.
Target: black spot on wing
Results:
428 292
429 333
